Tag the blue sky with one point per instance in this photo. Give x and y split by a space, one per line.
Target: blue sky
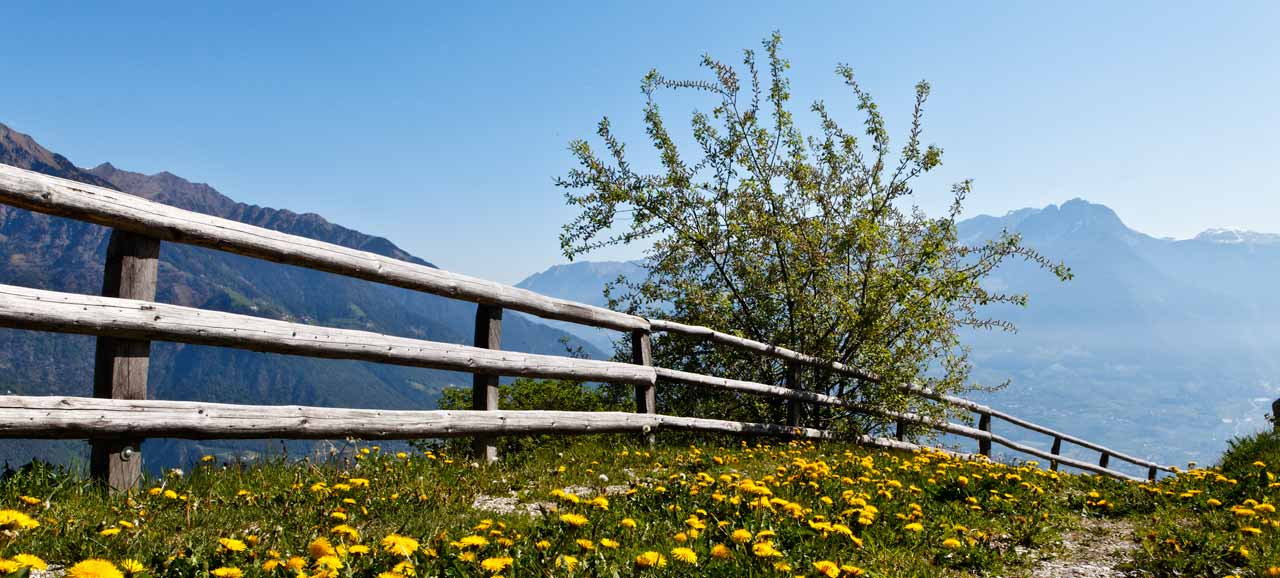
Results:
441 126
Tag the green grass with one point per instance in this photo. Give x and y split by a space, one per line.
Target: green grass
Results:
871 512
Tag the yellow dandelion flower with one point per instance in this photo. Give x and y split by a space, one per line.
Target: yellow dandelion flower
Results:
231 544
721 552
914 527
30 561
496 565
765 550
542 545
585 544
109 531
686 555
330 563
740 536
575 520
320 547
827 568
399 545
345 530
471 542
29 500
607 543
405 568
951 544
227 572
567 562
94 568
627 523
651 559
358 549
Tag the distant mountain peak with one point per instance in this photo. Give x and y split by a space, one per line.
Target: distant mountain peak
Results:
1076 218
1231 236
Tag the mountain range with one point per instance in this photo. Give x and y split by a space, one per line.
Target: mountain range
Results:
64 255
1160 347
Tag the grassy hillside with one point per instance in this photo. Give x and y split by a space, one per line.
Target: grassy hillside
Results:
600 508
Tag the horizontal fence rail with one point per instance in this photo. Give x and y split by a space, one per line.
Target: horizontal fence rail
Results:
77 417
115 419
36 309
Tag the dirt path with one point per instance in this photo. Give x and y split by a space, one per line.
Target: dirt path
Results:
1092 550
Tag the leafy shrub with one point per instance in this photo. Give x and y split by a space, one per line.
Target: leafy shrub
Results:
1243 452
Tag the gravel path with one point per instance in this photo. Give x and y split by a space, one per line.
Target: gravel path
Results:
1093 550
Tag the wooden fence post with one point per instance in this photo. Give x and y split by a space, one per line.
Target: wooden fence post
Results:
984 424
1151 474
120 365
900 430
1057 449
646 395
1104 460
484 387
1275 414
795 409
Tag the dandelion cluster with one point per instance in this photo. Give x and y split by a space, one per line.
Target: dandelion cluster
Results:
791 509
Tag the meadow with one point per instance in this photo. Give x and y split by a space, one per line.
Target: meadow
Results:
605 506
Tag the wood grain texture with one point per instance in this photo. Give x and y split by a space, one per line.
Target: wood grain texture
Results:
80 417
121 365
795 409
1057 449
65 198
646 394
484 386
642 355
23 308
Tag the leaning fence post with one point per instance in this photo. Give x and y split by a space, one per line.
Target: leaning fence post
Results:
1104 460
984 424
484 387
1275 414
1057 449
1151 473
795 409
120 365
646 394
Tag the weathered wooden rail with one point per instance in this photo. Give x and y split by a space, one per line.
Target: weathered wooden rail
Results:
126 319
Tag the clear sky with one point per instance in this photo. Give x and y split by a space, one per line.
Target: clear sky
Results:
442 125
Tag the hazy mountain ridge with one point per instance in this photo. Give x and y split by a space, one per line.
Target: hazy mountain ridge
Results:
64 255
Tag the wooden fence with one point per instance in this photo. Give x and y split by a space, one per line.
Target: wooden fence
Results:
126 319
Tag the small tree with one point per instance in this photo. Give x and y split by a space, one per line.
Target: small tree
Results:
808 242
